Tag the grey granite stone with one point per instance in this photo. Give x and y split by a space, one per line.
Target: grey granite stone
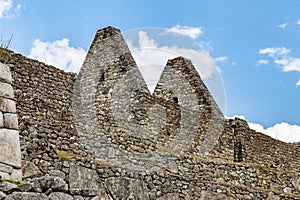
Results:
6 90
84 180
10 121
7 105
26 196
5 75
1 120
59 196
10 152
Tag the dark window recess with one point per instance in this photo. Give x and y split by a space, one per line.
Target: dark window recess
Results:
238 151
175 99
102 77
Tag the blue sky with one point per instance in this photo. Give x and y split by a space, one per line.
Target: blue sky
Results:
255 44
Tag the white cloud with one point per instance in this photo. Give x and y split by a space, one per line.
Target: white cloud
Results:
205 66
298 83
5 6
233 63
8 9
275 51
291 64
298 22
145 41
281 56
58 53
18 8
262 62
283 26
149 54
281 131
192 32
221 59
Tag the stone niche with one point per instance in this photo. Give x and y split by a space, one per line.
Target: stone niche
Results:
10 153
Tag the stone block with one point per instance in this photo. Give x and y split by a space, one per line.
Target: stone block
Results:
1 120
30 170
5 75
6 168
16 174
296 184
8 187
26 196
7 105
84 179
10 152
59 195
10 121
2 195
4 175
126 188
6 90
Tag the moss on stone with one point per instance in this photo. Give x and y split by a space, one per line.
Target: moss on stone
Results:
17 182
101 163
64 156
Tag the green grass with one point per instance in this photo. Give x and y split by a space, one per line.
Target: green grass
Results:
67 156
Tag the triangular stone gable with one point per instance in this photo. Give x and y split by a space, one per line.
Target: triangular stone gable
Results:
113 101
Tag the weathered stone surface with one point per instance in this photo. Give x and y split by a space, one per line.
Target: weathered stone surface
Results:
10 121
44 98
1 120
10 152
84 180
4 175
7 186
59 184
16 174
6 91
30 170
287 190
275 186
2 195
44 183
170 196
272 196
5 75
207 195
126 188
5 168
26 196
105 197
7 105
41 184
77 197
296 183
59 196
25 187
57 173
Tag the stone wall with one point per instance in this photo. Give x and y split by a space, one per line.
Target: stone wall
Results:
43 96
190 178
102 135
10 154
115 112
256 147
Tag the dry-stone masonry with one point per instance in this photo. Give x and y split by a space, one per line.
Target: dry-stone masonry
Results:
102 135
10 154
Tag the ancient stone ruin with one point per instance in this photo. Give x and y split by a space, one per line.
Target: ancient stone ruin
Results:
102 135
